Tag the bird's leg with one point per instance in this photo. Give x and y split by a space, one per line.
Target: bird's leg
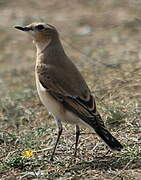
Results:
77 138
59 125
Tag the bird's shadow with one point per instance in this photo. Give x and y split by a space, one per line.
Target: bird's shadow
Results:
108 163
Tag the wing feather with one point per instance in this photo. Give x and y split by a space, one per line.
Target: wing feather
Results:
79 100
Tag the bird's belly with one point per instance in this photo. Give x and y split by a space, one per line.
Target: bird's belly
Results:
49 102
55 107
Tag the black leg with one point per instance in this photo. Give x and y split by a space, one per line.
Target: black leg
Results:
77 138
58 137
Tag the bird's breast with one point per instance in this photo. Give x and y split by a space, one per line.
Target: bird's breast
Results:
52 105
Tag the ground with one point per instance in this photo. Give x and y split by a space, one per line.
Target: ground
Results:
103 38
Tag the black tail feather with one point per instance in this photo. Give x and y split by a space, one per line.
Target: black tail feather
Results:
107 137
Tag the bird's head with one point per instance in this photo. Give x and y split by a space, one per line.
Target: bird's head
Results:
39 31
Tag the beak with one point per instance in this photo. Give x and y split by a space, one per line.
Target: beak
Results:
23 28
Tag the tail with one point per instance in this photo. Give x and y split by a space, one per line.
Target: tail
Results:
107 137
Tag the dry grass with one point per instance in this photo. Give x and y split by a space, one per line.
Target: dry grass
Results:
104 39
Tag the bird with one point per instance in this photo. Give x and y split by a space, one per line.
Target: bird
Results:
62 88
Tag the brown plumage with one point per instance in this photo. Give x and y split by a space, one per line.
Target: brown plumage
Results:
62 88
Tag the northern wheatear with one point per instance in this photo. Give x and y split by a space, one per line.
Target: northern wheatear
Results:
62 88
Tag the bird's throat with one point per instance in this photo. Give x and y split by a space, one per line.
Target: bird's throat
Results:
42 45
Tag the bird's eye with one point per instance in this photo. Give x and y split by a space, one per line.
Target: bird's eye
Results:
40 27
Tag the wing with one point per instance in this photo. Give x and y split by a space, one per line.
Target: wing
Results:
72 91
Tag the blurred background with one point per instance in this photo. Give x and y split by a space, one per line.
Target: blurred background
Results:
103 38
